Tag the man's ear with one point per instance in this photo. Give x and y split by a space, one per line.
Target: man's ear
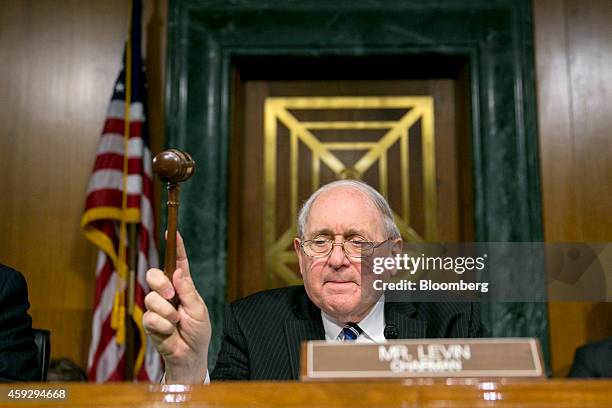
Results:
297 246
397 247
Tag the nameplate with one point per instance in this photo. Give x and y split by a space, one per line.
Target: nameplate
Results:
423 358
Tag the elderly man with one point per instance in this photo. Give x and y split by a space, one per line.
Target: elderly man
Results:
339 224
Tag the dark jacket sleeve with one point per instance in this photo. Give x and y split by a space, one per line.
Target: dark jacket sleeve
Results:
233 359
17 348
581 367
593 360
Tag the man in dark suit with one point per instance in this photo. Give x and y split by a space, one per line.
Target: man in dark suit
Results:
17 347
263 332
339 225
593 360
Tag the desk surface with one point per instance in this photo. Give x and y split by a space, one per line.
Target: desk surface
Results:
545 393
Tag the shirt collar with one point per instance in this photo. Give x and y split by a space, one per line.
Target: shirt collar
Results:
373 325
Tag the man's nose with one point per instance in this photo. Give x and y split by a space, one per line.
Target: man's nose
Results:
338 258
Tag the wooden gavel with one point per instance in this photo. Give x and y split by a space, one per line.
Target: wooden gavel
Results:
172 166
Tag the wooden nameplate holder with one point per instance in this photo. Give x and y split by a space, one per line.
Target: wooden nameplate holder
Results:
494 358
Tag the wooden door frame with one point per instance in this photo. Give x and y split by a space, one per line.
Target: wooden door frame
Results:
496 37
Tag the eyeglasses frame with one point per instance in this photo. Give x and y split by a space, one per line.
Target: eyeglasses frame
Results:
334 243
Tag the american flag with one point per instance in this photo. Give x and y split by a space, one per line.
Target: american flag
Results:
120 192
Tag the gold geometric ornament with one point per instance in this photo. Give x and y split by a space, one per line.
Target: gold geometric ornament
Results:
279 254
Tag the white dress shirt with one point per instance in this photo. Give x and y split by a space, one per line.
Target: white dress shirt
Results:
373 325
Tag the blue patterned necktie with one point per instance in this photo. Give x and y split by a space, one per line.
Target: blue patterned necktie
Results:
351 331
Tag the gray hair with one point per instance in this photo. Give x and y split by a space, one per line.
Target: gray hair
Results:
388 225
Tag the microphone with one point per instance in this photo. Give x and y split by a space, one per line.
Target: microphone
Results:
391 332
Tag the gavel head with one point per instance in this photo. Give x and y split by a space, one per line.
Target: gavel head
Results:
173 166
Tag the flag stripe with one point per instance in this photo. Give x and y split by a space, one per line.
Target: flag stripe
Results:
114 161
116 110
113 179
105 337
104 304
117 375
111 198
109 362
103 279
113 143
117 126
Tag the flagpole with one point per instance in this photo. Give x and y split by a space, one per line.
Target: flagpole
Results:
130 330
128 230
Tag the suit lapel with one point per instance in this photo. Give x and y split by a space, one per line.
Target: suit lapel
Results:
296 332
306 325
401 315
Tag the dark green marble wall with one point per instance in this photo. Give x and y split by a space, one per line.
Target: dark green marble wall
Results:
494 36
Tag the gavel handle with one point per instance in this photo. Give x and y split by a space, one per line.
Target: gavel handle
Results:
170 262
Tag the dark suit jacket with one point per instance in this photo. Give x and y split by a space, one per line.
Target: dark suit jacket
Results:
263 332
593 360
17 347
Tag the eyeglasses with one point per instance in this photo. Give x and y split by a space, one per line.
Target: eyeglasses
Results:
355 248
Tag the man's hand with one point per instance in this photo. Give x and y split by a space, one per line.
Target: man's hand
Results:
181 336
